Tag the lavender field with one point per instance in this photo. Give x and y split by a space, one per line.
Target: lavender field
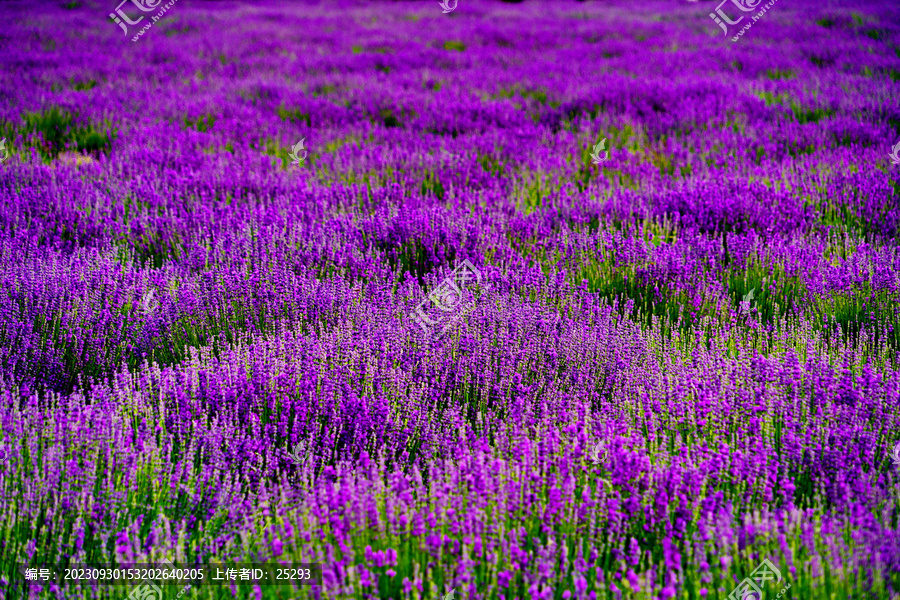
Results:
489 301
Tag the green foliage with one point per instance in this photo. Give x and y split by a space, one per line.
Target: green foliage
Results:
203 123
451 45
175 29
282 154
779 74
55 130
412 256
492 165
538 95
389 119
294 116
533 191
841 215
53 125
770 98
324 90
623 137
862 310
771 292
84 85
374 49
431 185
805 115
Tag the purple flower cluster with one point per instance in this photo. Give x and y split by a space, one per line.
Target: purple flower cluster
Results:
685 361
